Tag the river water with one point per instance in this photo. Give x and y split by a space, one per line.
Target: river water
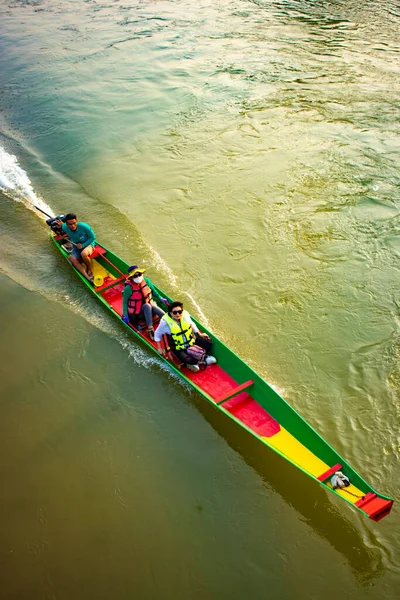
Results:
247 154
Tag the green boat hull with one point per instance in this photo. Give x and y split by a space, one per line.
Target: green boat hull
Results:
243 396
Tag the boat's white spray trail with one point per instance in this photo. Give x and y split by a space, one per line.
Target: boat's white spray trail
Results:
138 353
162 265
15 183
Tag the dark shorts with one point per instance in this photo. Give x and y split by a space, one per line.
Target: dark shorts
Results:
76 252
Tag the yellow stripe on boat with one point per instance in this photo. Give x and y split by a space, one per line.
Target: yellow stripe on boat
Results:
301 456
99 271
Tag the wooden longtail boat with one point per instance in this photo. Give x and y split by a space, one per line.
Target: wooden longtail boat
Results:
236 390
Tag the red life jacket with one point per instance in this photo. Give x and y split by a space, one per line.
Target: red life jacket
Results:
141 294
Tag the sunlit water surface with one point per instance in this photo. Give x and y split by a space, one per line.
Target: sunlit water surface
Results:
246 153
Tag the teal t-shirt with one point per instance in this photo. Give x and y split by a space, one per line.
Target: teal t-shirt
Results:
83 234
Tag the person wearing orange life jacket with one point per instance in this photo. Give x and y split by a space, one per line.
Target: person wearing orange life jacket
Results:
182 333
137 299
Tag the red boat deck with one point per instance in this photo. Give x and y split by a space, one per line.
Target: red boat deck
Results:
217 383
234 398
214 381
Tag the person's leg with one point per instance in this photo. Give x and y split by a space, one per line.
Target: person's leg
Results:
147 313
184 357
75 260
157 311
133 319
148 316
85 256
204 343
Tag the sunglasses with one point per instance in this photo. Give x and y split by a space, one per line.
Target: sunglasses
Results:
177 312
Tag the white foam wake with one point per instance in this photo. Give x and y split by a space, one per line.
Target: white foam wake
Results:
15 183
160 262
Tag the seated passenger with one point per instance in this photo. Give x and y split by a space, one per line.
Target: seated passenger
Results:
182 333
137 299
83 239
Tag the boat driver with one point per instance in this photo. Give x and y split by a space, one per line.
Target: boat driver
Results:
83 239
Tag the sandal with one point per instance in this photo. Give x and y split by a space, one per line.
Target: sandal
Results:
150 331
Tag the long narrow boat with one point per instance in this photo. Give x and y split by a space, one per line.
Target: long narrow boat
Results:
242 395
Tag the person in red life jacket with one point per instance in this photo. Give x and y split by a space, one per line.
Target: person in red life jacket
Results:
182 333
137 299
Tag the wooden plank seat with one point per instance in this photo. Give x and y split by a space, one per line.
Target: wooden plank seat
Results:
365 499
98 251
234 392
110 284
329 473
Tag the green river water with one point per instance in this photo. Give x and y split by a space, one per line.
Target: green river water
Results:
247 154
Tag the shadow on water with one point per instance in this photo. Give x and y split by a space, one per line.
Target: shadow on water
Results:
306 497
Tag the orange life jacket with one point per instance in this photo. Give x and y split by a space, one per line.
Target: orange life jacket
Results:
141 294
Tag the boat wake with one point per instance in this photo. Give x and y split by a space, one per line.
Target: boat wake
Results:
15 183
144 359
164 268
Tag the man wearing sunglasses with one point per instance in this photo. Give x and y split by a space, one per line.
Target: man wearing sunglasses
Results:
182 333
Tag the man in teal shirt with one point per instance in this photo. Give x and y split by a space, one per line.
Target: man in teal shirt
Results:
83 238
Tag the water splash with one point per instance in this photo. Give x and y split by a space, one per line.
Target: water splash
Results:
15 183
148 361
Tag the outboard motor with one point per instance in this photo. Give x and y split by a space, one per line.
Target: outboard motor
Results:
54 226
